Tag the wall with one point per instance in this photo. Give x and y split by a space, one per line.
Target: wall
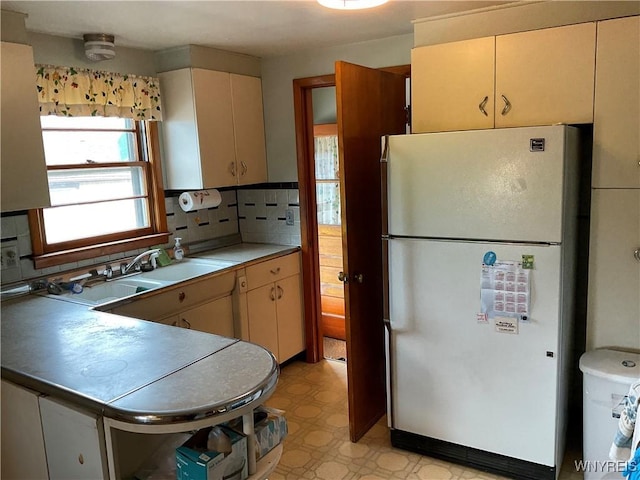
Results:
324 105
54 50
278 74
207 228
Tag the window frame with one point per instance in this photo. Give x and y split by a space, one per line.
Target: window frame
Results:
49 255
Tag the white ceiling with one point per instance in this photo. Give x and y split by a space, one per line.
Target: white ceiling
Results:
261 28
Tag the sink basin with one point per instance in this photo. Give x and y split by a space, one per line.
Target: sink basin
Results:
185 269
110 291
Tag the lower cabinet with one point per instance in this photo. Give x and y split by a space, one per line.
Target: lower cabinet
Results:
21 432
212 317
74 442
274 306
43 438
204 305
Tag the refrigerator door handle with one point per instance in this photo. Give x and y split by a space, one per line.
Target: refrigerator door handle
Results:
384 165
389 371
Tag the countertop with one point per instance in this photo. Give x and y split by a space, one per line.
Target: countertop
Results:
134 370
246 252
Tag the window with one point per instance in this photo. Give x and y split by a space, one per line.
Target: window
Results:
327 174
105 189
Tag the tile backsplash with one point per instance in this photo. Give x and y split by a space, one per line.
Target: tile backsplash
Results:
254 215
262 215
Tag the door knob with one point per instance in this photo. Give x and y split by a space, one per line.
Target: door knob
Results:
358 277
343 277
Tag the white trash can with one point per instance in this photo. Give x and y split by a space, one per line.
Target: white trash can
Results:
607 376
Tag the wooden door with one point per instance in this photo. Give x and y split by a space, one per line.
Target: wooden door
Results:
452 86
370 104
546 75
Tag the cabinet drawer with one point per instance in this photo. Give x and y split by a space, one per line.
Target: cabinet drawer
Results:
179 298
272 270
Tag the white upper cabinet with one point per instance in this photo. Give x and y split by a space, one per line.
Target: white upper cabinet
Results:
248 125
213 129
24 171
452 86
540 77
545 76
616 126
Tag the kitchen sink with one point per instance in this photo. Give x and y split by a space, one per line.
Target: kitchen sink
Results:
185 269
114 290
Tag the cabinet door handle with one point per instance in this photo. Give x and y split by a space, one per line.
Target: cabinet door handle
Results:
275 271
483 104
507 105
232 168
244 168
186 322
636 254
273 294
174 323
181 297
280 292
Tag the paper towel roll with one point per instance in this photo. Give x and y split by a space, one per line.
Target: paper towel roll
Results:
200 199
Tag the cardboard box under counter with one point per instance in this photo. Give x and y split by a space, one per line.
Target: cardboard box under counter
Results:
195 462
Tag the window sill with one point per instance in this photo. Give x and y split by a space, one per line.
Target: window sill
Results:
99 250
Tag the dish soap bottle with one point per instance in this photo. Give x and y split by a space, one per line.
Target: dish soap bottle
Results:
178 252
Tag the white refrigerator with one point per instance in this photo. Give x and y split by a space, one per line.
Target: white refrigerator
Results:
479 246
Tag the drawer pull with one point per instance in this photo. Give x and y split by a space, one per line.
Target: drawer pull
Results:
275 271
280 292
181 297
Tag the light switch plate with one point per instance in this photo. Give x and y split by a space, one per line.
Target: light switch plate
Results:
10 257
288 214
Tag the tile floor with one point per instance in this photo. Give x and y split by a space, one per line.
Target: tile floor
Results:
318 446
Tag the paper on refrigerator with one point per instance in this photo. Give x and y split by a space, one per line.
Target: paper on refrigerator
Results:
505 290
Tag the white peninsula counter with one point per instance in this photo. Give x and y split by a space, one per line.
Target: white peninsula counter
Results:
106 384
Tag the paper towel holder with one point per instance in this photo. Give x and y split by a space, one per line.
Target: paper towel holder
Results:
196 200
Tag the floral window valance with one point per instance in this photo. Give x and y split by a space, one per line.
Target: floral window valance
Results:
78 92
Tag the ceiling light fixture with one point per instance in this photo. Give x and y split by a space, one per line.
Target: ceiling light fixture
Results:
351 4
99 46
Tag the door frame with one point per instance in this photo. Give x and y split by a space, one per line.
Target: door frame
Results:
303 119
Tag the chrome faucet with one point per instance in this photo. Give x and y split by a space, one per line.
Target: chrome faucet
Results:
153 255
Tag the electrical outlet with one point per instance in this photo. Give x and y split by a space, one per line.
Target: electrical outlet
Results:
288 215
9 257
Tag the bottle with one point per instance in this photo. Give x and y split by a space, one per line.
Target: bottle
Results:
178 252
